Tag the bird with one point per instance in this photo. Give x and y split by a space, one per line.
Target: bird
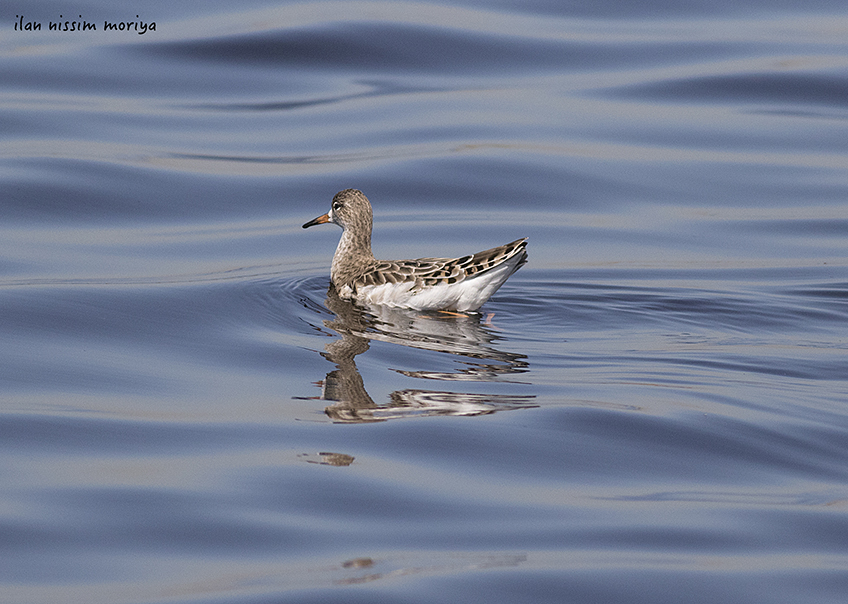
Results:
425 284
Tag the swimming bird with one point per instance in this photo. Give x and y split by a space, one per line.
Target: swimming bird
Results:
449 284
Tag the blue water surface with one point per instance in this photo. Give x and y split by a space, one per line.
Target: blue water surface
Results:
654 409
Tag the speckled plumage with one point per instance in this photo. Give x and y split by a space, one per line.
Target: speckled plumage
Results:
461 284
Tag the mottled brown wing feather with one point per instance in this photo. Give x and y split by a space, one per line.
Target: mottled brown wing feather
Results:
430 271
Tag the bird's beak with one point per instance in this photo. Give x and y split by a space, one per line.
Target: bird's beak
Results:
320 220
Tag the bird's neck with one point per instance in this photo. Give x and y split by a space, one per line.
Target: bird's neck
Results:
352 255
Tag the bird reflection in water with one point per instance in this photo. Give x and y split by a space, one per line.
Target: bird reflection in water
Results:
455 334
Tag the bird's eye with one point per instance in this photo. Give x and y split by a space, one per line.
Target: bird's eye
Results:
336 206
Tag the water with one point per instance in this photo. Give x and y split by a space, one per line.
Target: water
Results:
652 410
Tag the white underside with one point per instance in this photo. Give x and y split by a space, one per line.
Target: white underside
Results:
466 295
